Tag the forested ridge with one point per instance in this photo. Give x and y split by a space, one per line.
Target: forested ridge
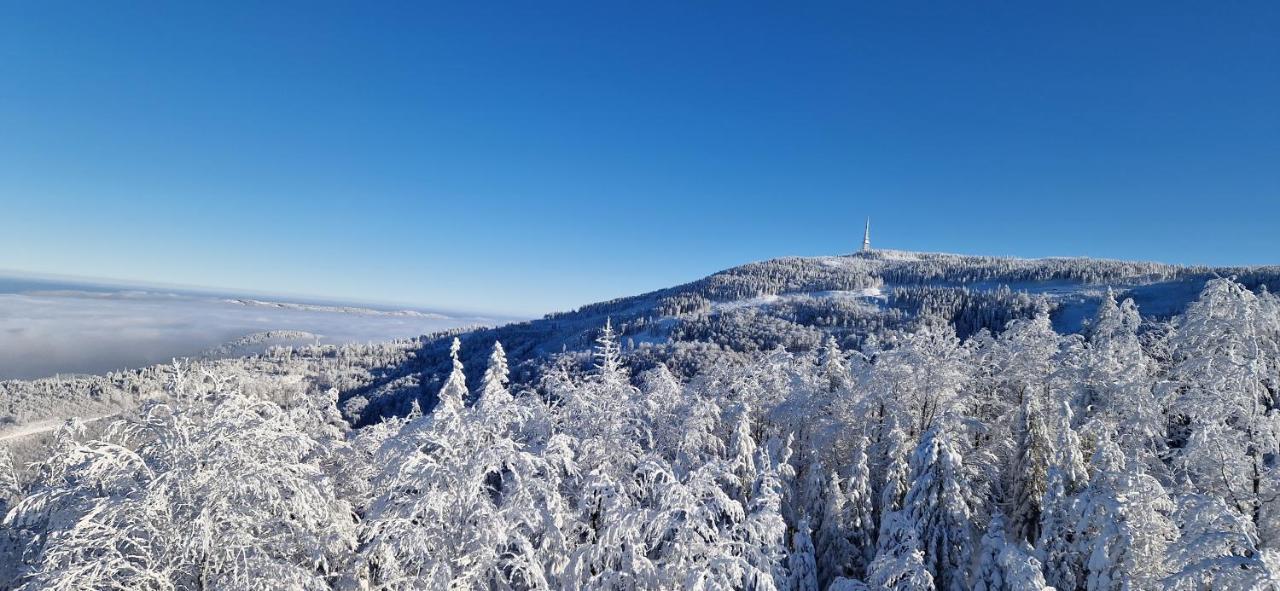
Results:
796 303
1138 453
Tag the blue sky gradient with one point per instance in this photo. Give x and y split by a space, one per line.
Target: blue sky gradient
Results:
528 157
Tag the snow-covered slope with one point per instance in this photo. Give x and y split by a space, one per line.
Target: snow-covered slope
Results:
795 302
1148 438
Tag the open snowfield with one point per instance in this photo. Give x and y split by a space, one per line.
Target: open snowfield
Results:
48 328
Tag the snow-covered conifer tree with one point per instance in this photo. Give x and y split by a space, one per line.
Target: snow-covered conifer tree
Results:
859 514
1005 565
1068 451
463 504
666 408
1033 456
496 377
742 451
1063 566
608 355
698 442
764 530
812 491
10 489
899 563
1122 525
938 506
834 368
801 563
453 394
1116 379
989 576
835 552
897 473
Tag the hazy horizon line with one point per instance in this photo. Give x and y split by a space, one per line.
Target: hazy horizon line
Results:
227 291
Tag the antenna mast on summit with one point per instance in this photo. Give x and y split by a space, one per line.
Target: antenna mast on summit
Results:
866 237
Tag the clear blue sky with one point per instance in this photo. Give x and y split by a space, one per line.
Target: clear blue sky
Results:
540 155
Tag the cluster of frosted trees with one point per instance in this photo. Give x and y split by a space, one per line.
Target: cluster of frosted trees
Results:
346 367
1125 458
888 267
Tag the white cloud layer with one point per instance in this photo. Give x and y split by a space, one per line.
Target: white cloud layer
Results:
43 332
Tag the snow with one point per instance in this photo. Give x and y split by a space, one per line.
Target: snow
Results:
254 479
42 426
870 293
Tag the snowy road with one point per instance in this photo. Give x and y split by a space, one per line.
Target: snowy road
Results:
43 426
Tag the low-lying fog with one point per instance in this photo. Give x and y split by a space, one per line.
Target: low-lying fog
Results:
51 327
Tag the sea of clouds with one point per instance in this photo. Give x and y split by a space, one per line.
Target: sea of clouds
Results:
60 328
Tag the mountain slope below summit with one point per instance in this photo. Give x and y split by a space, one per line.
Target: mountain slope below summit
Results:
796 302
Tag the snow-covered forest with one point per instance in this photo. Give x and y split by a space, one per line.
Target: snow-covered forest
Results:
1136 454
797 303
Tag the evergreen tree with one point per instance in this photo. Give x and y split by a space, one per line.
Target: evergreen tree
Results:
1063 568
764 530
698 442
899 563
813 490
1068 452
801 563
834 550
1116 381
667 409
742 452
990 576
897 472
938 507
1033 458
1122 525
1005 565
10 489
608 355
859 518
834 367
496 377
453 394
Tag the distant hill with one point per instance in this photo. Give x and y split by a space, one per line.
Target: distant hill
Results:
259 342
795 302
